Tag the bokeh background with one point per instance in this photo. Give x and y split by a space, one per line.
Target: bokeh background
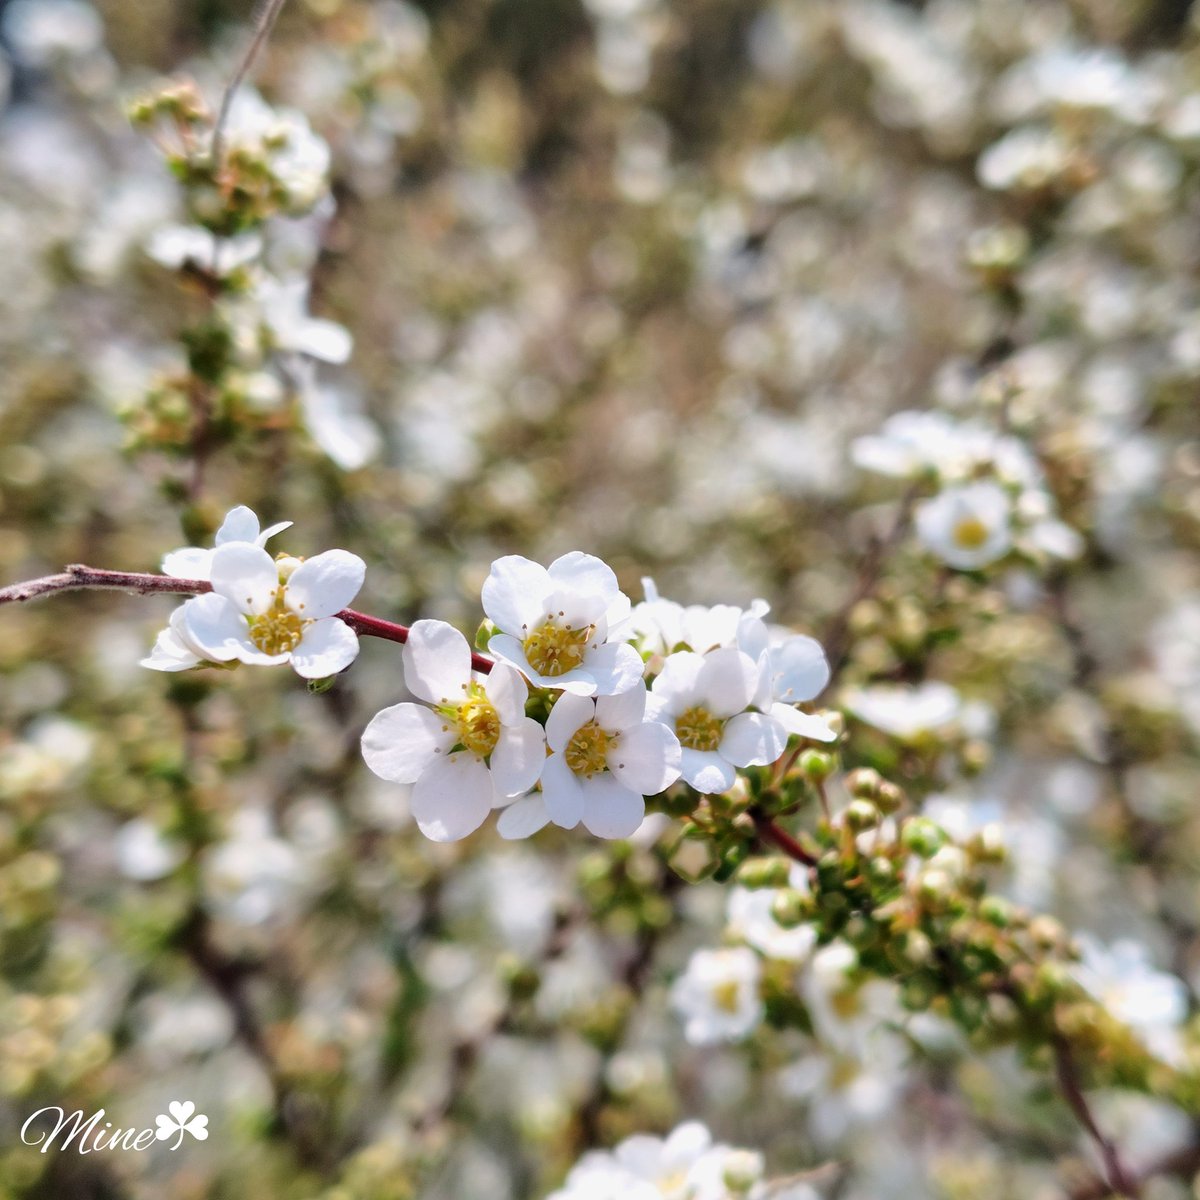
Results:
627 276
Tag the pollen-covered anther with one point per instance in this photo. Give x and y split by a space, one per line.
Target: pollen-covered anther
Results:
478 725
970 533
587 751
278 630
697 729
554 650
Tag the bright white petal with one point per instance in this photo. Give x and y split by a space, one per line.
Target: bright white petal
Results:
513 593
247 575
215 627
452 798
567 715
807 725
728 681
401 741
518 758
327 647
615 667
562 793
268 533
623 711
646 758
799 670
437 663
191 562
678 684
523 817
508 692
611 810
325 584
753 740
707 771
326 340
584 573
240 525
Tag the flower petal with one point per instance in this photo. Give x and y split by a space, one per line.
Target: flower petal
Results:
753 740
616 667
189 563
326 647
216 627
518 758
507 692
799 670
325 584
561 792
728 681
611 810
268 533
624 711
646 759
240 525
523 817
567 715
452 798
247 575
678 683
707 771
401 741
437 663
807 725
513 593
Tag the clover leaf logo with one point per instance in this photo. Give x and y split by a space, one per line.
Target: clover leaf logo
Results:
180 1122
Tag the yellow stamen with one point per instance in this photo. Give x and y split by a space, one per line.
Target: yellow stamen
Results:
698 729
970 533
556 649
278 630
725 996
478 723
587 751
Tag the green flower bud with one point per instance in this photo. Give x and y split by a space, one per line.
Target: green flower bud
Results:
922 836
860 815
791 908
816 764
764 871
863 783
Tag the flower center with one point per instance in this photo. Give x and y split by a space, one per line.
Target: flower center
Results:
478 724
970 533
587 751
725 996
698 729
278 630
556 649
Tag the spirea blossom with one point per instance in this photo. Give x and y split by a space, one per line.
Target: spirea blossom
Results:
467 748
717 995
967 527
267 613
606 756
555 624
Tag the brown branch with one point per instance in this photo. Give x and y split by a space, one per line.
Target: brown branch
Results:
78 577
768 831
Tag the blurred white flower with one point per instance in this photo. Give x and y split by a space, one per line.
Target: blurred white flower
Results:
906 712
717 995
1026 159
470 750
253 876
142 853
43 30
174 246
749 915
968 526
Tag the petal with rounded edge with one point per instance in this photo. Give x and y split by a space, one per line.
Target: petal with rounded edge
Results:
623 711
437 663
401 741
513 593
215 627
240 525
646 758
523 817
567 715
611 810
326 647
325 584
518 758
807 725
707 771
752 740
507 692
678 683
189 563
561 792
247 575
728 681
615 667
452 798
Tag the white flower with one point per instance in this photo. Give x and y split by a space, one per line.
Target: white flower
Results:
658 625
470 751
255 614
555 624
968 526
1025 159
333 420
43 30
282 307
141 851
792 669
240 525
906 712
704 698
254 875
717 995
173 246
749 914
605 758
1152 1003
911 442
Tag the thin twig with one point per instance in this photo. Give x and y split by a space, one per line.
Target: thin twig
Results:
78 577
266 23
768 831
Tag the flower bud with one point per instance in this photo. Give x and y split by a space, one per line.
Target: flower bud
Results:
764 871
743 1169
922 836
863 783
860 815
792 908
816 764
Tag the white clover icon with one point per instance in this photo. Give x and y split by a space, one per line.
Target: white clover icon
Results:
180 1122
